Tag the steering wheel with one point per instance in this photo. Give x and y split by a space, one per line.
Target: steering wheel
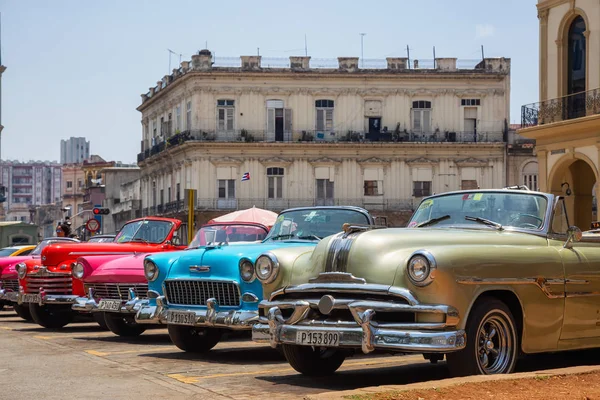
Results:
526 224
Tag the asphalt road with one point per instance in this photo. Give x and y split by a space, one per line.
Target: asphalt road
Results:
82 361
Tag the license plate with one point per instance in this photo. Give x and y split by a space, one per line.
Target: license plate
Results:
326 339
109 305
181 318
31 298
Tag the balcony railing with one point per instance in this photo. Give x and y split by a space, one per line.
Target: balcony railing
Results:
376 203
561 109
320 137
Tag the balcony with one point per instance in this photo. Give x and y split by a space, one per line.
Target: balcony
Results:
282 204
319 137
564 108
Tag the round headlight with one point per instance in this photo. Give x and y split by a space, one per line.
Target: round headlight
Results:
419 268
21 270
267 267
247 270
78 270
150 270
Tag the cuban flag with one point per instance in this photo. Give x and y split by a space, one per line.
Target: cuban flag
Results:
246 177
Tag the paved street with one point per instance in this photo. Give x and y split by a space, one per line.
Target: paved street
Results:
83 360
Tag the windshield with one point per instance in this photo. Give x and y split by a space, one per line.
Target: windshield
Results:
148 231
103 239
38 249
314 224
228 234
7 251
509 209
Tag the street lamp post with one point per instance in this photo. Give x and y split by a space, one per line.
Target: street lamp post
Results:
362 62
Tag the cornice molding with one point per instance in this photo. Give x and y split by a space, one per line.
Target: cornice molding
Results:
276 161
226 161
324 161
471 162
373 161
422 161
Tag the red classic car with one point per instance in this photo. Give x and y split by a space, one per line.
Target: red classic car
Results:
47 284
9 281
117 287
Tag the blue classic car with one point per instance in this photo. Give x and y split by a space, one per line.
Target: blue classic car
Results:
199 292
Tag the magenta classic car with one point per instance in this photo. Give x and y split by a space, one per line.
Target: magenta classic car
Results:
9 280
118 287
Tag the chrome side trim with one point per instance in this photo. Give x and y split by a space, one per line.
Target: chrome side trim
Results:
337 277
542 283
101 253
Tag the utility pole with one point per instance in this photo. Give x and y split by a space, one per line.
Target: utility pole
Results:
362 62
482 56
408 55
305 46
2 187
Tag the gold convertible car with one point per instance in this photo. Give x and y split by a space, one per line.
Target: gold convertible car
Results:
478 276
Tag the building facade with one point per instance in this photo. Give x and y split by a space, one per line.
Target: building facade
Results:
122 197
73 185
29 184
74 150
566 121
381 138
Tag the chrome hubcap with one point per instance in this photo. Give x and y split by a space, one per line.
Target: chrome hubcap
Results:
495 344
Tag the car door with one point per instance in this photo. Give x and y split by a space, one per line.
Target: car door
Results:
582 282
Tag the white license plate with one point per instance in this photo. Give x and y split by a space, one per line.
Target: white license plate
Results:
181 318
31 298
109 305
317 338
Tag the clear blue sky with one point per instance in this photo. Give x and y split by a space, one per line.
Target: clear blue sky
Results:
77 68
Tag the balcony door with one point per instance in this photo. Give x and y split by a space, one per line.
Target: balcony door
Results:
576 71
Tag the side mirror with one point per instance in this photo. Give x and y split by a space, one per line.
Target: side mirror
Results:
168 243
574 234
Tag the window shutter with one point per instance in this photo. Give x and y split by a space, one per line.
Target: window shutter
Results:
426 121
320 120
379 187
417 121
230 112
329 120
221 119
287 120
271 120
231 189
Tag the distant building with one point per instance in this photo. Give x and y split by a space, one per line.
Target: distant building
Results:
74 150
73 186
29 184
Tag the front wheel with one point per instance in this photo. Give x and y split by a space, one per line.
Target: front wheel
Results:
123 326
194 340
52 317
22 311
313 361
492 342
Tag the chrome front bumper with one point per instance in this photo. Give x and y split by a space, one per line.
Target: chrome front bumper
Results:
48 299
89 304
210 316
8 295
363 332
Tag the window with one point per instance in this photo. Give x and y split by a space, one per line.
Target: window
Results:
470 102
470 124
530 175
560 224
227 188
162 125
421 116
188 116
162 196
225 115
275 181
324 115
372 188
421 188
576 56
178 118
69 184
324 189
468 184
168 195
178 194
79 183
153 128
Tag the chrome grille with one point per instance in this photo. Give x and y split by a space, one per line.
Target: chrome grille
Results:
12 284
196 292
52 282
117 291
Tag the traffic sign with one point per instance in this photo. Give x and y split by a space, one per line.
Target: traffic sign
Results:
92 225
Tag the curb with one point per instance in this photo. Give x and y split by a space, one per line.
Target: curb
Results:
342 395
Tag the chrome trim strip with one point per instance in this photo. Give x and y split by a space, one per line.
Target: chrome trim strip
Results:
337 277
367 288
542 283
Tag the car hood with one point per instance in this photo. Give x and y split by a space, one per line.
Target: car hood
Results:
8 261
380 256
127 269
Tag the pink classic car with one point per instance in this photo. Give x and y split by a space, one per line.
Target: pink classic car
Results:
118 287
9 280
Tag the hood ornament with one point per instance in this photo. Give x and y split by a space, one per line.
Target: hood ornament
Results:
199 268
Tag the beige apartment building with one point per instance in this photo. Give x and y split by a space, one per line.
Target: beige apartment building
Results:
381 138
566 121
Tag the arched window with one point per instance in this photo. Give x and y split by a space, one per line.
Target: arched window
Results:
529 175
576 57
576 69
